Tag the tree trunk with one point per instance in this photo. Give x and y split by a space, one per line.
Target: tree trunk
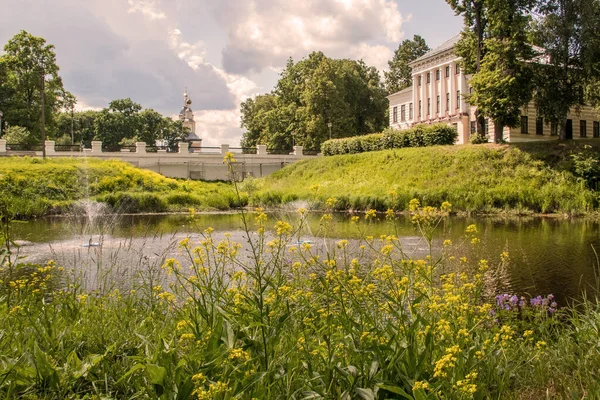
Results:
480 125
562 128
498 132
43 125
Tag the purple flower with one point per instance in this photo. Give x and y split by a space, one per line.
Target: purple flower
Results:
513 300
536 301
553 304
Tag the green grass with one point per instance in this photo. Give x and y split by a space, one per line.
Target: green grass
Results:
535 177
34 187
342 322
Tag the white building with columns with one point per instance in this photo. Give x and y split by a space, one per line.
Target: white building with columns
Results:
437 96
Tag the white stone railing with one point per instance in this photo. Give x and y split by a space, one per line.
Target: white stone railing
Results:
141 148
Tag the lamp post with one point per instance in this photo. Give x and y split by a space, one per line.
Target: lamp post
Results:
1 115
329 125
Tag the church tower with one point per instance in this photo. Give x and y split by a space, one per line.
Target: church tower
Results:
186 116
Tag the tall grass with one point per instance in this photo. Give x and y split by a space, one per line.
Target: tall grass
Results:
38 187
281 318
538 178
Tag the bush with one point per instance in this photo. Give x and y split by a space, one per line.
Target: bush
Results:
419 136
135 202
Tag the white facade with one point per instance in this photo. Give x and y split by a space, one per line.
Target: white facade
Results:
437 96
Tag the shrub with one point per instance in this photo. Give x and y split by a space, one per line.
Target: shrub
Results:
135 202
182 199
419 136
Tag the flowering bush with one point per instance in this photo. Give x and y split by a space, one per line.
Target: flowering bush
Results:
283 318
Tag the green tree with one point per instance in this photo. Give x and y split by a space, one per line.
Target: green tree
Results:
400 74
503 83
309 95
471 48
21 136
567 30
28 59
121 120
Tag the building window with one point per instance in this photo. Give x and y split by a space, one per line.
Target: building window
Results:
429 106
447 71
419 80
447 101
524 124
403 113
420 108
539 126
438 104
429 77
583 128
458 99
437 74
596 129
410 111
473 127
395 115
457 69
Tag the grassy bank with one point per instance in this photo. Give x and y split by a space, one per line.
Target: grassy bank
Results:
347 321
34 187
532 177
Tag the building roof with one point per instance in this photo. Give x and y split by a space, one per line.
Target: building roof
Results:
405 90
447 45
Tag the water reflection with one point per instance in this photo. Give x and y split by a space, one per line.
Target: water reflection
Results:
547 255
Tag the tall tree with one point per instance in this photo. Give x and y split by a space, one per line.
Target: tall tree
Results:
26 59
503 83
567 30
471 47
121 120
310 95
400 74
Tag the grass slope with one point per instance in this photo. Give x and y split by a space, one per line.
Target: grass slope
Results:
532 177
33 187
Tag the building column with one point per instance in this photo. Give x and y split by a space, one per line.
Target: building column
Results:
453 104
444 86
414 100
423 98
461 85
430 94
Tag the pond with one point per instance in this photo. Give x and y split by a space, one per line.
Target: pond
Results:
547 255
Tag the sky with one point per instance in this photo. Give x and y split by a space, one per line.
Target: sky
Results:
221 51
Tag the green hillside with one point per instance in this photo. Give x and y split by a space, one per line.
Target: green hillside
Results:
34 187
534 177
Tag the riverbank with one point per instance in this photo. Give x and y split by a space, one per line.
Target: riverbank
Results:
32 187
525 178
294 321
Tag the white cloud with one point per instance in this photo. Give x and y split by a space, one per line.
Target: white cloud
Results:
148 8
376 55
266 33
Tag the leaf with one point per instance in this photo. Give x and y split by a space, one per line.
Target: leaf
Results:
156 374
366 394
133 369
228 335
374 369
311 395
395 390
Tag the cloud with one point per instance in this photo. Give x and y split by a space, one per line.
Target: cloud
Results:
114 49
264 33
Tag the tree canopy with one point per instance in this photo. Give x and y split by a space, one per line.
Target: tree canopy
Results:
311 94
503 82
26 60
567 30
400 74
